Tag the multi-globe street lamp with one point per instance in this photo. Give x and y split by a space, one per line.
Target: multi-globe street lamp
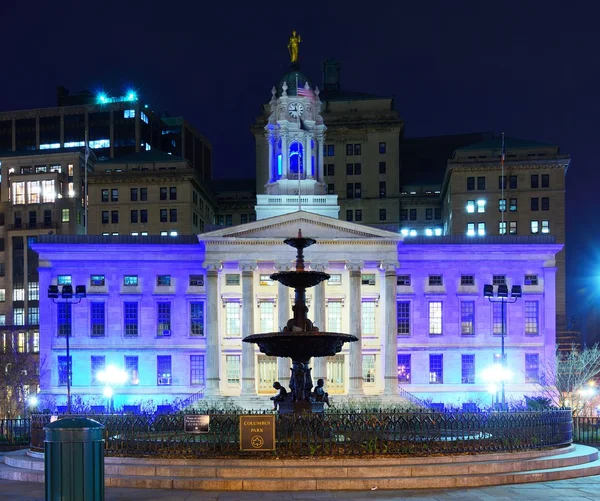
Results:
502 296
66 296
111 376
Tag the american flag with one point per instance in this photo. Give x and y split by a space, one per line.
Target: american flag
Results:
302 92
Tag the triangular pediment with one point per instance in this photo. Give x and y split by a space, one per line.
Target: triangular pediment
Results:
312 226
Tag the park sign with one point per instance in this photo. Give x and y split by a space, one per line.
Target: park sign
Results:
196 423
257 432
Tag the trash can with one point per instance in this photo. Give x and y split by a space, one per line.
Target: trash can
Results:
74 460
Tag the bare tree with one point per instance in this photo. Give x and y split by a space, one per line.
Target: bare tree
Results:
568 376
19 375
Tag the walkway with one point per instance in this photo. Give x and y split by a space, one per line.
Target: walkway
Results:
578 489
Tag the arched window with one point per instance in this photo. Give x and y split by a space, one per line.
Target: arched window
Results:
296 158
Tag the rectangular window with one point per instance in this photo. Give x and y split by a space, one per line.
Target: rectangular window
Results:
436 369
428 214
64 319
134 216
349 149
130 313
535 204
532 368
403 214
531 280
196 370
368 318
534 181
357 149
501 182
545 181
331 189
163 193
535 227
403 318
502 228
98 364
435 317
173 215
349 169
335 279
481 182
196 280
163 321
143 216
382 189
513 182
130 280
133 194
382 167
232 364
104 217
404 369
512 207
197 318
437 213
382 148
331 169
104 195
163 370
466 280
131 367
98 321
512 228
498 279
66 215
163 215
173 193
435 280
64 280
97 280
331 150
367 279
33 315
18 316
468 369
265 280
382 214
267 316
232 279
368 369
545 203
497 321
114 217
143 194
467 318
413 214
232 319
163 280
357 190
531 318
545 226
33 291
502 205
403 280
481 229
48 192
114 195
334 316
63 370
470 183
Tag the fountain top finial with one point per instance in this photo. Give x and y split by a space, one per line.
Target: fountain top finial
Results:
299 233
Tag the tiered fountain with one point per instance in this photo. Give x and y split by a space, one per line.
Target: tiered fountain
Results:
300 340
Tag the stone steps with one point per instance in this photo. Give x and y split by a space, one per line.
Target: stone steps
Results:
330 474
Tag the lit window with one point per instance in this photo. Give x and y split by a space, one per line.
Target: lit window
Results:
437 232
428 232
267 316
368 369
196 369
513 205
64 280
163 370
436 369
468 369
470 229
163 320
535 226
232 364
512 228
131 367
66 215
130 280
48 191
266 280
480 205
334 316
33 192
33 291
129 113
531 318
18 316
232 318
471 206
502 205
404 368
97 280
435 317
367 279
18 191
467 318
100 143
481 229
163 280
403 318
197 318
368 318
532 366
502 228
232 279
413 232
545 226
144 117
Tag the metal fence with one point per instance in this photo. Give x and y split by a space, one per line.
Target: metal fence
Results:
14 432
335 434
586 430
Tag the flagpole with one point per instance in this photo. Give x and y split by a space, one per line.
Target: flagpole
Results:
298 146
502 183
85 185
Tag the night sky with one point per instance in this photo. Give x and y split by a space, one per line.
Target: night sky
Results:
528 68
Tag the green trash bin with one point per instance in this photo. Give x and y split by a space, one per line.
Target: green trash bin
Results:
74 460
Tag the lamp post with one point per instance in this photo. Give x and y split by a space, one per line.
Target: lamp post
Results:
502 297
111 376
66 296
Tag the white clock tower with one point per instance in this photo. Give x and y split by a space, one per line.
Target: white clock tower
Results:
295 135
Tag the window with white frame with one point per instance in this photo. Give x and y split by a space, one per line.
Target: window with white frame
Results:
232 318
232 367
435 317
163 370
502 205
502 228
163 321
334 316
368 318
497 317
97 319
33 192
18 192
468 369
535 227
403 280
481 229
436 369
531 280
367 279
196 370
532 368
470 229
130 314
232 279
480 205
531 317
403 318
369 369
335 279
467 318
266 280
498 279
470 206
404 369
467 280
267 316
436 280
131 367
545 226
197 318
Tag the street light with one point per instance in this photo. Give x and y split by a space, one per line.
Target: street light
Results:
503 297
111 376
66 296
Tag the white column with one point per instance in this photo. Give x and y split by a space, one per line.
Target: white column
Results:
248 366
546 313
308 149
355 307
320 166
283 315
213 352
390 341
319 364
285 157
272 175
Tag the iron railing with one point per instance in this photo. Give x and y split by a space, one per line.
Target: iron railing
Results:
14 432
337 434
586 430
412 398
182 404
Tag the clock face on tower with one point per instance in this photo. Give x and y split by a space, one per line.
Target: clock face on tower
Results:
296 109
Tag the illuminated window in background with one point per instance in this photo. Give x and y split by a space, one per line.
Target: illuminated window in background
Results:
48 191
368 318
266 316
403 318
18 316
98 364
33 291
49 146
502 228
480 205
144 117
512 228
468 369
18 292
66 215
2 295
470 229
18 191
436 369
404 368
531 317
535 226
502 205
545 226
71 190
131 367
163 321
232 364
481 229
74 144
334 316
467 318
128 113
232 319
497 319
435 317
163 370
36 342
33 315
100 143
70 170
513 205
369 369
33 192
3 319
